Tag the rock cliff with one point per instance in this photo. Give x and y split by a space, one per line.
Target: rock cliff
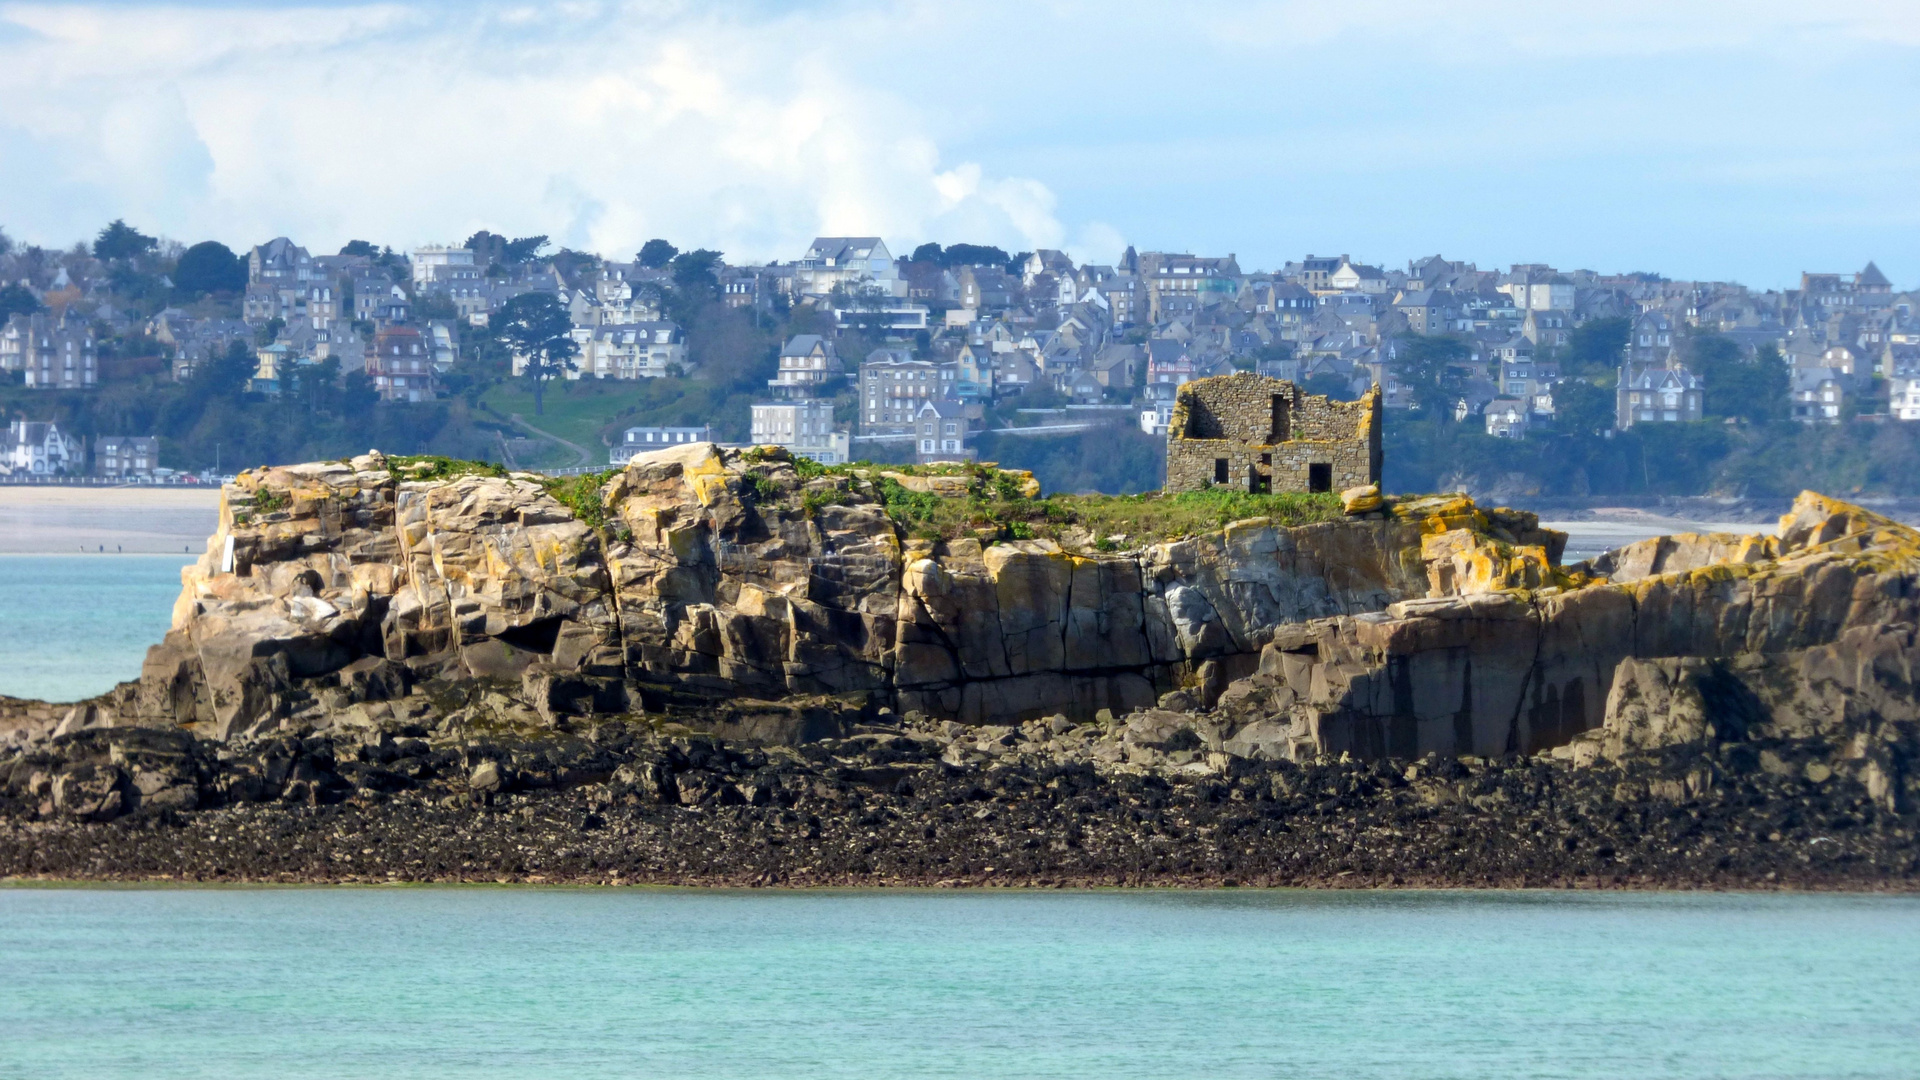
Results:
1797 647
350 592
732 590
732 667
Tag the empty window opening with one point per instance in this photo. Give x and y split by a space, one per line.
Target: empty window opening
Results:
1320 476
1259 483
1279 432
1220 473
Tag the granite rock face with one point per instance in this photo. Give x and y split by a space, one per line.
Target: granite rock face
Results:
730 590
1687 636
352 594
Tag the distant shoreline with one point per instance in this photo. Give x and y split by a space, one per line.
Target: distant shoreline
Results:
48 520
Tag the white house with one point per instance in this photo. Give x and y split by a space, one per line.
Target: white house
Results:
35 448
1507 418
803 426
941 432
806 361
435 261
852 261
640 440
638 350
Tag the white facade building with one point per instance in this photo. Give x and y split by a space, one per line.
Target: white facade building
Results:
640 440
35 448
435 260
803 426
852 261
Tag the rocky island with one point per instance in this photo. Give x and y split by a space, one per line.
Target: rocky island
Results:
736 667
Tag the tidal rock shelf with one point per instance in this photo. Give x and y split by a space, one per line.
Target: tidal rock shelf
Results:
616 805
720 667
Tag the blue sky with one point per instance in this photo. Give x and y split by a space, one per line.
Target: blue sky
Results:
1743 141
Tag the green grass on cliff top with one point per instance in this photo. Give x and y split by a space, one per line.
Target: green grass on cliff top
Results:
994 509
1159 516
1105 521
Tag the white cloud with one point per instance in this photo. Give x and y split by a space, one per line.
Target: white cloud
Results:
600 124
1478 30
1710 137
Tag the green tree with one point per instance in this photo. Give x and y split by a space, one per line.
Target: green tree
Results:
1429 365
928 252
225 374
655 254
120 240
360 248
1581 408
1595 346
358 396
1754 389
16 300
695 270
434 306
6 244
209 267
973 255
1330 385
524 249
316 383
536 328
269 332
864 310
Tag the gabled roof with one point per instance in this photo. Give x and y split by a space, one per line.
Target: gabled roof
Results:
842 248
1812 378
1872 276
1166 350
805 344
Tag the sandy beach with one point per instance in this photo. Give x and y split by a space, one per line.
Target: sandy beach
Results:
1588 538
128 520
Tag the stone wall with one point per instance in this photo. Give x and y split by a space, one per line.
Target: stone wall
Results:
1254 433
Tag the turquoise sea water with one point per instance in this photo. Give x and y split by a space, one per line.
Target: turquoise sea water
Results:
537 983
72 626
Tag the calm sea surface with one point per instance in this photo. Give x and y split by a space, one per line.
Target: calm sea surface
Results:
534 983
72 626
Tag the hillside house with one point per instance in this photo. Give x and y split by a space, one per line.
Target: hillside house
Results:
1820 394
893 386
35 448
126 457
806 361
943 430
401 365
803 426
852 262
640 440
53 352
1657 394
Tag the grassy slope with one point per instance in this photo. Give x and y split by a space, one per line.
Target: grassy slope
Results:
992 508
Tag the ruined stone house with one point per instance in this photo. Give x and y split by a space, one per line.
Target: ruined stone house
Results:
1260 434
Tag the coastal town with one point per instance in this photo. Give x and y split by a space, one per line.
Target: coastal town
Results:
914 356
